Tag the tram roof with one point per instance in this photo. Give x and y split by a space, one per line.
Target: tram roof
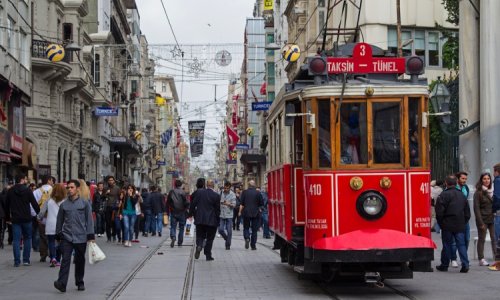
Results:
354 87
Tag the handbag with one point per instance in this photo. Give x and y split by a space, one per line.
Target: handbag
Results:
95 253
165 220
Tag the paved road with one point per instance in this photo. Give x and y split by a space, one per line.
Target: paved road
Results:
161 272
36 281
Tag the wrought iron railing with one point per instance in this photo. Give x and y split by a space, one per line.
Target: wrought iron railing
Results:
39 51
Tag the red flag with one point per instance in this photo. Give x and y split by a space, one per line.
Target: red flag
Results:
232 138
178 137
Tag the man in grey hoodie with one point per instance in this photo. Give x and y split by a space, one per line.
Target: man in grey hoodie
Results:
74 228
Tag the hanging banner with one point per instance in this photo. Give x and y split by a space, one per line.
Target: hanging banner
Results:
166 136
196 135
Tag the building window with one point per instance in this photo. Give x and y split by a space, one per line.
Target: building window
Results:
68 38
25 49
270 74
163 87
424 43
11 40
433 46
97 70
321 14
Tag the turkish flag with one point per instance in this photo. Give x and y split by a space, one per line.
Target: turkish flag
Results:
232 138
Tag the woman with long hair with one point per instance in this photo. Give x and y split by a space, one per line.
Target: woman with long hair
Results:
129 214
49 210
84 190
483 210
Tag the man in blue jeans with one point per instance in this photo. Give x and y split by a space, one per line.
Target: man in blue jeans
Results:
227 205
158 208
452 214
251 208
178 205
18 212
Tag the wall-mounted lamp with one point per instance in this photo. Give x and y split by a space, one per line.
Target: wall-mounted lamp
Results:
117 154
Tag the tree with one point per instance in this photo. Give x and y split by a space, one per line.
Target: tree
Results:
450 48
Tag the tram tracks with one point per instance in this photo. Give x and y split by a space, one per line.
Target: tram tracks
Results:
330 289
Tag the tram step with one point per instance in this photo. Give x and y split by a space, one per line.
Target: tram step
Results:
299 269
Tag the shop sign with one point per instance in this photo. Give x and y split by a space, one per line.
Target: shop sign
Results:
16 143
261 105
106 111
117 139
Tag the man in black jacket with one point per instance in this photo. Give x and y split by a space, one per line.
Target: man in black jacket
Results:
452 214
205 207
158 208
250 208
178 205
18 211
98 207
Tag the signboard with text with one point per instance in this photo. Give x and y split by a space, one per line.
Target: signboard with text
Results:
242 146
261 105
363 62
106 111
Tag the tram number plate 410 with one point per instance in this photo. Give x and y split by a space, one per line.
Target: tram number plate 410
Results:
315 189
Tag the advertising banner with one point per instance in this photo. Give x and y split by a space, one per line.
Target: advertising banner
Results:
196 135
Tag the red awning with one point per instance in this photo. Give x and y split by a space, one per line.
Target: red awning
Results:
263 89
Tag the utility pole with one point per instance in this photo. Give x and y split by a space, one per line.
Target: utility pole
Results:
398 28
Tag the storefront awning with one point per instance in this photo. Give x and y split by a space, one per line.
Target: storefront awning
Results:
124 144
253 158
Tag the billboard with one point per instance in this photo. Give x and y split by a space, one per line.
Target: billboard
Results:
196 135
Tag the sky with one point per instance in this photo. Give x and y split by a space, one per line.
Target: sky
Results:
202 29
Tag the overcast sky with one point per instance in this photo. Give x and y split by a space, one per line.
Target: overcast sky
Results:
197 22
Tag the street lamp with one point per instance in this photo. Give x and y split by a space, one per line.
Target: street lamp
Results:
440 100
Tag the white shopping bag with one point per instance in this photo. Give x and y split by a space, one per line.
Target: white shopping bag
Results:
95 253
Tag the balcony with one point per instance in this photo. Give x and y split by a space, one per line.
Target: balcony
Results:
41 64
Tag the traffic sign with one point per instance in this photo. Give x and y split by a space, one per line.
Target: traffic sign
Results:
261 105
242 146
362 61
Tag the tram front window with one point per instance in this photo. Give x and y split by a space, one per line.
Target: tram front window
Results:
386 133
352 133
324 137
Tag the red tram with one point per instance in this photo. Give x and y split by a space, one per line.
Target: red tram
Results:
348 167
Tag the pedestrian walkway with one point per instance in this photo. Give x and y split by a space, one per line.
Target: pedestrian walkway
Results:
238 273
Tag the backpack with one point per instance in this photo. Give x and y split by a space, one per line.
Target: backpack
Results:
179 204
44 198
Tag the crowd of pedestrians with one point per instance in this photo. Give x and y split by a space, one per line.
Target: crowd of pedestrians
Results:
58 220
453 213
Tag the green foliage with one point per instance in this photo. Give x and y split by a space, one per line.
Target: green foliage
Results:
452 6
450 48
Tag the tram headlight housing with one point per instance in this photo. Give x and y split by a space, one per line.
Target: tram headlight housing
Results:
371 205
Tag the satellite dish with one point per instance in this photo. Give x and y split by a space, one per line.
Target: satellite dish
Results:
223 58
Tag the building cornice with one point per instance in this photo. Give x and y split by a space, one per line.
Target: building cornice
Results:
81 6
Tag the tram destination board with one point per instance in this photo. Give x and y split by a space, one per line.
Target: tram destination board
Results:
363 62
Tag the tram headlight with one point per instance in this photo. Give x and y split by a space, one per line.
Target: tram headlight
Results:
371 205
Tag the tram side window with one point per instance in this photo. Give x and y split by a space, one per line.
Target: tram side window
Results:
324 137
353 134
308 139
386 133
414 137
